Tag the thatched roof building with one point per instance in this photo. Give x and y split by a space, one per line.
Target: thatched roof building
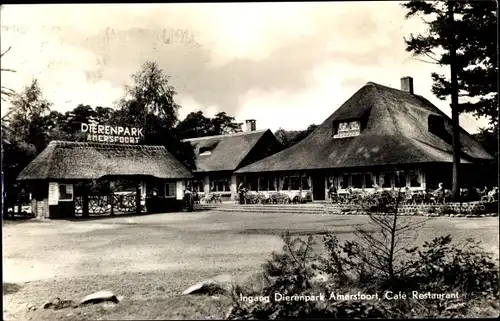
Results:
395 127
82 160
230 152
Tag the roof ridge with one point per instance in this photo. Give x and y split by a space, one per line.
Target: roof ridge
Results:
61 143
225 135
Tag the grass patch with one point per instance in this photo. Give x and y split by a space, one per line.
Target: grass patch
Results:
9 288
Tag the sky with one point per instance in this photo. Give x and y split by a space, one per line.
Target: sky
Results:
287 65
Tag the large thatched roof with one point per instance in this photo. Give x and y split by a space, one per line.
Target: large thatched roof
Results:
225 152
77 160
396 132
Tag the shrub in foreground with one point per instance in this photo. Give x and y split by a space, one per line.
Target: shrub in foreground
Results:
438 266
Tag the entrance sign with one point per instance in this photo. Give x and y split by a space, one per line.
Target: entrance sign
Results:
53 193
111 134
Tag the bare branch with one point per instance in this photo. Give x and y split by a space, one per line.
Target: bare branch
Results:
427 62
430 57
6 51
9 70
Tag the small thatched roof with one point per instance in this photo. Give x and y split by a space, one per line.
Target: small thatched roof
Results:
224 152
396 131
78 160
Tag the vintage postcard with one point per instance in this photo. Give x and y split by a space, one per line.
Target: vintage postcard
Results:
250 160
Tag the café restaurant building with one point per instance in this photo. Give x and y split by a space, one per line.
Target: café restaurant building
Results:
378 133
217 157
69 179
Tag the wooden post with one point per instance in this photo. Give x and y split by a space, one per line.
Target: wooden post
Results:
138 198
85 200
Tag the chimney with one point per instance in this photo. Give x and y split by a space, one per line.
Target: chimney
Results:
407 84
250 125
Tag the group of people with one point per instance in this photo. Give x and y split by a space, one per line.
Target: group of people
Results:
440 193
190 197
242 191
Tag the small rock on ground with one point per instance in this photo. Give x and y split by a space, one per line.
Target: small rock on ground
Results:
98 297
209 287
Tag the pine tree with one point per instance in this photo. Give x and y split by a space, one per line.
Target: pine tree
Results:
461 35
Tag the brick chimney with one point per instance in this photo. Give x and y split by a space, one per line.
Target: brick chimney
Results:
407 84
251 125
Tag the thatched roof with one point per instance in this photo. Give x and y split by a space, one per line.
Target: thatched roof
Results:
224 152
78 160
395 132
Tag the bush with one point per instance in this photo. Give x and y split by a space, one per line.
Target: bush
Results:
431 210
437 267
447 210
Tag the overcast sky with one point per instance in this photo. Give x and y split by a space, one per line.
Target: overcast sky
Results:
286 65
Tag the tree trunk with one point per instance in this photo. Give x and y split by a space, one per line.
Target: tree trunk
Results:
455 188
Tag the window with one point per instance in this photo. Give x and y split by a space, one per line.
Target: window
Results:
357 180
252 183
344 181
198 186
305 182
386 180
347 129
207 150
170 189
65 192
400 179
263 184
294 183
272 183
367 180
414 179
329 182
220 184
286 184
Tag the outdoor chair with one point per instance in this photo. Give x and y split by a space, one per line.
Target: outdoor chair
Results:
355 198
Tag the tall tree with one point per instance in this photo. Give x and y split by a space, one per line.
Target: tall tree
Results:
27 136
6 94
26 116
150 94
289 138
224 124
197 125
462 36
149 103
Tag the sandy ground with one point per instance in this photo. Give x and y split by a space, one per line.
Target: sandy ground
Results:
56 258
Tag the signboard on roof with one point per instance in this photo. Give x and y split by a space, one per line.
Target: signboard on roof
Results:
111 134
348 129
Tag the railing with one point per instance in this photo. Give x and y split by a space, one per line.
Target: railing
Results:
281 197
104 204
409 197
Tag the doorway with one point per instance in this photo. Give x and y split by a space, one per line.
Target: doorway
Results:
318 185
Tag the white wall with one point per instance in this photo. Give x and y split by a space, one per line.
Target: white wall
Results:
234 186
206 185
179 193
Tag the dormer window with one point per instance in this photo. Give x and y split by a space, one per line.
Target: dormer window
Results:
346 129
437 127
207 150
206 153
